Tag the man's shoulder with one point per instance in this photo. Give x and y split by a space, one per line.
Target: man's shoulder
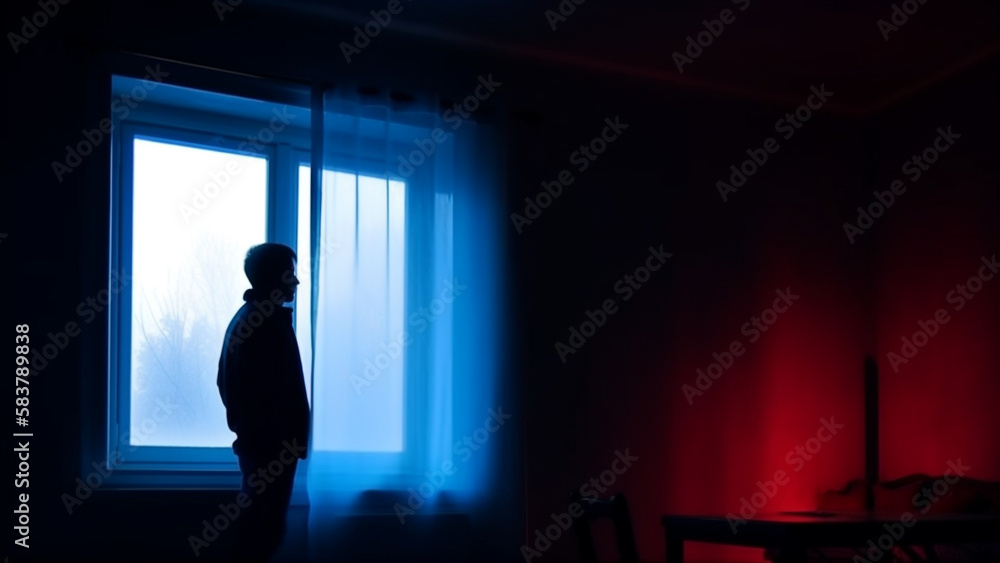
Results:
241 329
255 320
240 315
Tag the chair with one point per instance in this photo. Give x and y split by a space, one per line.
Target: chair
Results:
616 509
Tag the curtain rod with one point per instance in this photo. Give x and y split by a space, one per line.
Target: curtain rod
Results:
364 90
258 76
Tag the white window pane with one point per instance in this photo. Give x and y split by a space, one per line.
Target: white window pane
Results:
303 296
361 316
396 247
188 281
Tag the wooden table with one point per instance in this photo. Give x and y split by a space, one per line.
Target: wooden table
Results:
794 533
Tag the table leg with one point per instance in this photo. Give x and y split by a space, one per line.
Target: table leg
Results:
675 550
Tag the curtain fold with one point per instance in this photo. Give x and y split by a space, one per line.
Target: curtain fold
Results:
407 391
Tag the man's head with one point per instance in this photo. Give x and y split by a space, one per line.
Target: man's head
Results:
271 266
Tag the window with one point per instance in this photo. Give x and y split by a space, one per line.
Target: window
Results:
367 216
197 177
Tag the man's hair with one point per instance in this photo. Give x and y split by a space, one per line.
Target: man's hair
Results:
267 263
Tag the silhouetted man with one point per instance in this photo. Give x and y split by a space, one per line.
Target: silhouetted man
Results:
263 389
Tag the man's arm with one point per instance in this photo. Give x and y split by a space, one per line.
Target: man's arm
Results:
291 405
244 375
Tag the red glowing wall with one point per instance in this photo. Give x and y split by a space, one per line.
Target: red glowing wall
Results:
784 230
935 249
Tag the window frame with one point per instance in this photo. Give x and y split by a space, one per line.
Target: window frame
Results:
162 467
151 457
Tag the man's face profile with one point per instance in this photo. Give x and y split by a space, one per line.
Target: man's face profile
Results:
289 282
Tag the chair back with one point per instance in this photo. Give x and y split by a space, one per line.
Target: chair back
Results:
615 509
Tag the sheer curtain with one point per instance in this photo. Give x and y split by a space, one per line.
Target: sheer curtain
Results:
406 284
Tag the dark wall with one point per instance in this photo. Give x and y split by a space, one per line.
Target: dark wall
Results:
623 389
784 229
940 393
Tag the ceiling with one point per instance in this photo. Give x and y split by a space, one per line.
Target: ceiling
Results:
771 51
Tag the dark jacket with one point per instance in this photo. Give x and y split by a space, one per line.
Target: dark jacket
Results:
260 378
